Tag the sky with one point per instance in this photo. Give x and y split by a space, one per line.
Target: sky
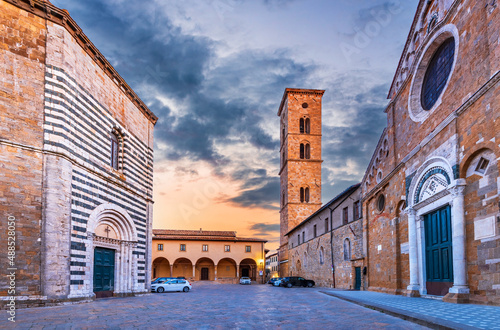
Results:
214 73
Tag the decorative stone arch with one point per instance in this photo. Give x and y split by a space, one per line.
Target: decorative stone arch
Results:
248 265
226 268
475 151
117 220
200 273
161 268
447 190
182 267
415 109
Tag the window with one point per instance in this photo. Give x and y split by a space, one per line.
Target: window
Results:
302 125
183 247
248 248
298 240
227 248
326 225
302 151
381 202
204 248
308 151
160 247
114 151
321 256
314 230
437 74
345 215
303 237
482 165
347 249
308 126
302 195
306 195
356 210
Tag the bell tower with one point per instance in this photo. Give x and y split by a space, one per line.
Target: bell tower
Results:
300 164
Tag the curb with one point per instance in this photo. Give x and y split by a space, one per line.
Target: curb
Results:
428 321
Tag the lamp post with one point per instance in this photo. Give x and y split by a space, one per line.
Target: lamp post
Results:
261 262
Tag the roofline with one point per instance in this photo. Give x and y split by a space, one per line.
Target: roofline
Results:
349 191
297 90
374 154
407 44
215 238
48 11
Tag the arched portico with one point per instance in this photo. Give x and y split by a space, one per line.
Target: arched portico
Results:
436 230
226 269
248 268
182 267
205 270
161 268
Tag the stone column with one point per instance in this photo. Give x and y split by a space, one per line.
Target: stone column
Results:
413 289
237 271
459 293
215 273
194 272
171 270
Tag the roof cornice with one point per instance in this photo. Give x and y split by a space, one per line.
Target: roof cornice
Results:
298 91
48 11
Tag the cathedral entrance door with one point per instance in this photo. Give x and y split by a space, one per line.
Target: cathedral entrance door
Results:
438 251
104 272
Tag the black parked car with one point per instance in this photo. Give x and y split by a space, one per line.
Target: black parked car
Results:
296 281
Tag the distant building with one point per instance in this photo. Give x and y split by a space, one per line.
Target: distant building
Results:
337 226
207 255
300 168
76 148
272 264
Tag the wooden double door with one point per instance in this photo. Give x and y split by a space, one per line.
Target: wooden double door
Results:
438 251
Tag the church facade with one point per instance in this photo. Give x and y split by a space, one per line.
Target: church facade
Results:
77 163
431 192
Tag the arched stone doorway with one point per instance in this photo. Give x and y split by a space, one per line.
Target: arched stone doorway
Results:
226 270
161 268
248 268
113 240
205 270
182 267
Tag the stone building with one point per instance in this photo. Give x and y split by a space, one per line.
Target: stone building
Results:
431 205
337 226
300 169
272 264
77 162
207 255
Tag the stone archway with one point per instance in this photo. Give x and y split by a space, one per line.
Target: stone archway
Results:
248 268
112 235
205 270
182 267
161 268
226 270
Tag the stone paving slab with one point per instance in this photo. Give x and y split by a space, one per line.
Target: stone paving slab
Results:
212 306
430 312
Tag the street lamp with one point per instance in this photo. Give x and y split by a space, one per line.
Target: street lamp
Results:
261 262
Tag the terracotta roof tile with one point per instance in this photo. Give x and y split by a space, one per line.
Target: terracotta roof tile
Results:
203 235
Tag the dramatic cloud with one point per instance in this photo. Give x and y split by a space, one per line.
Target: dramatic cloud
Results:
214 73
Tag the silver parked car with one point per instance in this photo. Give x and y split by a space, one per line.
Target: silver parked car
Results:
245 280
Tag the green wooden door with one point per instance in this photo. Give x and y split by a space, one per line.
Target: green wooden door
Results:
357 279
104 269
438 251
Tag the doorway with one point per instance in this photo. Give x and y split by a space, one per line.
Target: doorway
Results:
204 274
357 278
438 251
104 272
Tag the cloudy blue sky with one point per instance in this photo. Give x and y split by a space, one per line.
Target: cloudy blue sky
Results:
214 72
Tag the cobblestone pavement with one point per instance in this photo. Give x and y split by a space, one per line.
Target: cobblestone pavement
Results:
447 314
212 306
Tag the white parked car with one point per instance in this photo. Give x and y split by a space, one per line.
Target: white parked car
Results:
245 280
171 285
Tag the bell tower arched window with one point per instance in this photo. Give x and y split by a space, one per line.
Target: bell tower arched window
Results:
305 151
304 195
301 126
308 126
308 151
302 151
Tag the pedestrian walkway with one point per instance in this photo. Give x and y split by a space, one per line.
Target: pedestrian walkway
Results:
428 312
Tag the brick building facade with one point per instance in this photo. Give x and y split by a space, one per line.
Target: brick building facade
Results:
431 200
300 169
337 226
77 151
